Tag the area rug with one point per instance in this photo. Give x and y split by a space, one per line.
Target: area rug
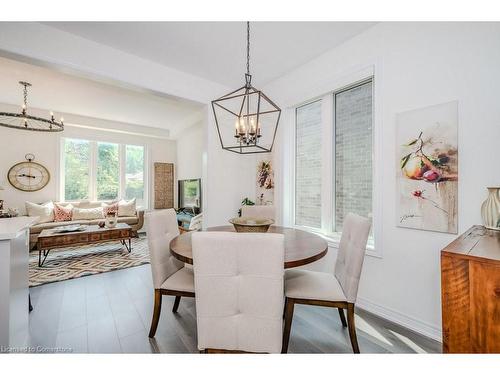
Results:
78 261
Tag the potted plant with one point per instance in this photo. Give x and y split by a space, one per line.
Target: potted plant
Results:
245 202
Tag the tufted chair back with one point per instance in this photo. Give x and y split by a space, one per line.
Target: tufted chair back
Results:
161 228
238 280
351 254
259 212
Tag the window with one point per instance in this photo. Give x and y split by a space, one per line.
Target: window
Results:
102 171
353 152
333 153
308 165
134 173
108 171
76 169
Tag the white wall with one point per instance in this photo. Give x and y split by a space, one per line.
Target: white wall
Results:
190 152
416 65
45 146
229 178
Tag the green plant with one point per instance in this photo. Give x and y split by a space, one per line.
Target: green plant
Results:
246 202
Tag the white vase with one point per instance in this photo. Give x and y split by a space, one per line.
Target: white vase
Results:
111 221
490 209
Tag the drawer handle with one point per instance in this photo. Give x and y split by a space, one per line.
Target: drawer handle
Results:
497 291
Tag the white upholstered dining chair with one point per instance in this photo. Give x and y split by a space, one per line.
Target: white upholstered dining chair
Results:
259 212
239 291
170 277
338 289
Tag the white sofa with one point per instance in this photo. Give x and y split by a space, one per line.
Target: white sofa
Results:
136 221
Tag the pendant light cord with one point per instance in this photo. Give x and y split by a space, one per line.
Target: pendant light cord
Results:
248 47
25 95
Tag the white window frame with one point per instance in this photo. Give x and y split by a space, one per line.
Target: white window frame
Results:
327 97
92 193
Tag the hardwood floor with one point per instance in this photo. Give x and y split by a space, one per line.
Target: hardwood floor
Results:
111 313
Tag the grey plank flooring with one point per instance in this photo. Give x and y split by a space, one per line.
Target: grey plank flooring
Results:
111 313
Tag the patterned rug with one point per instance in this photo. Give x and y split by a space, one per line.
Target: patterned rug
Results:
78 261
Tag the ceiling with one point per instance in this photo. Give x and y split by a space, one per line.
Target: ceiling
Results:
62 93
217 50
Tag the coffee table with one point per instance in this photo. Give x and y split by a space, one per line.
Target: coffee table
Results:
50 239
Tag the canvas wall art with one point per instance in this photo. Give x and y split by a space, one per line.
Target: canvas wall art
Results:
265 182
427 168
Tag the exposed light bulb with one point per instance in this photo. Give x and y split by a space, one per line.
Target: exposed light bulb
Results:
237 128
252 125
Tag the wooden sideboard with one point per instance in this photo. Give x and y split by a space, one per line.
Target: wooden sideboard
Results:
470 292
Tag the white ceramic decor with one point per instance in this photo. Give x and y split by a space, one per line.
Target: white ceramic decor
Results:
111 221
490 209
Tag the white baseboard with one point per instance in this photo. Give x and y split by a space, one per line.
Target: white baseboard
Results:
404 320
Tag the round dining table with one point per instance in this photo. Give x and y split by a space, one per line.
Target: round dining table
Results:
301 247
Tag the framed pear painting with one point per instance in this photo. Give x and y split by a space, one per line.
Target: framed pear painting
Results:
427 168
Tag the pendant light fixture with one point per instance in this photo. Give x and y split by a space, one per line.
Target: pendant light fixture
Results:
246 118
22 120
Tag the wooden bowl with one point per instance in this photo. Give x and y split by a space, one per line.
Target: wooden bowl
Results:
251 224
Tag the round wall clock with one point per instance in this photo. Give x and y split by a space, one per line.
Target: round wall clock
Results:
28 175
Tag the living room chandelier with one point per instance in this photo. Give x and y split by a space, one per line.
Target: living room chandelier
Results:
246 119
23 120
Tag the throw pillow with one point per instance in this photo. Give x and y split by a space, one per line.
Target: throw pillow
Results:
111 208
126 208
87 213
45 211
62 213
89 204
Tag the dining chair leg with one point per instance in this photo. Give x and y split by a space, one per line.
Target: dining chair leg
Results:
289 305
352 328
176 304
342 317
156 313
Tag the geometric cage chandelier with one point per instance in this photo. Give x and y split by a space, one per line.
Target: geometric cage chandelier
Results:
24 121
246 119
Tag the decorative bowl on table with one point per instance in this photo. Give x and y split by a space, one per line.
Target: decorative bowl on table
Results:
251 224
69 228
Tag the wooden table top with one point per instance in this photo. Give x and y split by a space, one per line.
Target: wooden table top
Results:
478 242
301 247
89 229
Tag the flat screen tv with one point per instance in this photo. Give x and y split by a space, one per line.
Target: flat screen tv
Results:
190 195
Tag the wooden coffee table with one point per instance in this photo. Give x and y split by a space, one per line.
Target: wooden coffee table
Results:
93 234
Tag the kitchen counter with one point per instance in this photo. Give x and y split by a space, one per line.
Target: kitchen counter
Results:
14 256
12 227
